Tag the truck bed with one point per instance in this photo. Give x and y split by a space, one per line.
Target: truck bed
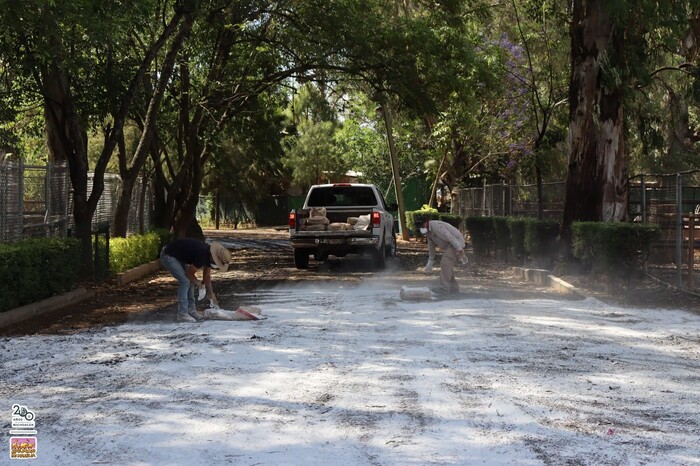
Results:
333 216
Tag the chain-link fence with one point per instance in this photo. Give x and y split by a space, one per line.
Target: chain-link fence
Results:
33 200
37 201
509 200
668 200
671 201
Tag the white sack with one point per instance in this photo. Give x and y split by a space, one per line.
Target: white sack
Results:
415 294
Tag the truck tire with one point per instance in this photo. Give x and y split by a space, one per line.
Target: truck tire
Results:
301 258
380 257
392 248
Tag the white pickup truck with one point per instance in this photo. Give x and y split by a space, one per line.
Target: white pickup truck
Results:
343 218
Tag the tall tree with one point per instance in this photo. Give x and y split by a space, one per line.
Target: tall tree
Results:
596 186
76 54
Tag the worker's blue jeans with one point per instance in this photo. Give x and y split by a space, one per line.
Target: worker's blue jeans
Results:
185 291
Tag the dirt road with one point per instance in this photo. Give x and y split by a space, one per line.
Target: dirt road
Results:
261 259
344 372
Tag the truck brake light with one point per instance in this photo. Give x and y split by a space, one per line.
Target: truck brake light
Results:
376 219
292 220
342 184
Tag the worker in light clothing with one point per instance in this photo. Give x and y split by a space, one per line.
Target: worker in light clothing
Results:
451 241
182 258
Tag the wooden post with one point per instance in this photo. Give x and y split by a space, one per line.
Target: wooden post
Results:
691 249
395 170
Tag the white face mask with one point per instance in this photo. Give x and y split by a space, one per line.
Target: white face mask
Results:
423 231
214 266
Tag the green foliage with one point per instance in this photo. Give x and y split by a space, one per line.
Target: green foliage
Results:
516 226
541 243
415 218
613 247
453 219
35 269
311 153
502 234
130 252
164 237
482 233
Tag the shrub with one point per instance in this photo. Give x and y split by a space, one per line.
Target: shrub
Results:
415 218
541 241
453 219
502 235
613 247
481 231
127 253
516 227
35 269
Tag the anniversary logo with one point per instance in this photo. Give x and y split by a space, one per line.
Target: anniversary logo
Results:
23 445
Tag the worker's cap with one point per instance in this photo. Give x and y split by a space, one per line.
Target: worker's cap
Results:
220 255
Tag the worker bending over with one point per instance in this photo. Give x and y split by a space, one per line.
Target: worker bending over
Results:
451 241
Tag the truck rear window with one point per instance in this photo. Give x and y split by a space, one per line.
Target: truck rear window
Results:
342 196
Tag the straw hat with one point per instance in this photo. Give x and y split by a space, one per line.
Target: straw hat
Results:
220 255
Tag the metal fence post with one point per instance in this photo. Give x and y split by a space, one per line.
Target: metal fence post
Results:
20 198
483 200
503 199
4 192
643 186
679 229
691 250
48 187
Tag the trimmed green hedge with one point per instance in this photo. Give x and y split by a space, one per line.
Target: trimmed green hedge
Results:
482 232
541 243
528 238
414 218
130 252
516 226
453 219
502 235
613 247
36 269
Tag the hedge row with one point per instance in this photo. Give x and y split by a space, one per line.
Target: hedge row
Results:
524 238
36 269
415 218
130 252
613 247
609 247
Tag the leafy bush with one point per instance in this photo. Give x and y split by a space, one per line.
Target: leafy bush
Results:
415 218
502 235
165 236
127 253
453 219
516 226
541 241
482 233
613 247
35 269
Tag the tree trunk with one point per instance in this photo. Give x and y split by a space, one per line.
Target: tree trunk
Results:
596 185
130 175
66 138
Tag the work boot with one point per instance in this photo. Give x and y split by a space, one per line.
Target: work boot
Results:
195 315
439 291
186 318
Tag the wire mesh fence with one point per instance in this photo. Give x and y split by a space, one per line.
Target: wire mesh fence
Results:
509 200
671 201
37 201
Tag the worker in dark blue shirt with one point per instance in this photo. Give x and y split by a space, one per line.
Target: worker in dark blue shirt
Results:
182 258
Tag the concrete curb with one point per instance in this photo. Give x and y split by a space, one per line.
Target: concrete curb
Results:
545 278
137 272
49 304
72 297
